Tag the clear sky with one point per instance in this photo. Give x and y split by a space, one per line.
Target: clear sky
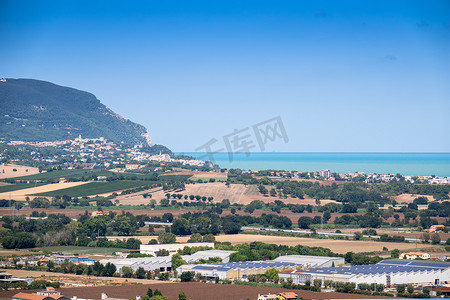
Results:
371 76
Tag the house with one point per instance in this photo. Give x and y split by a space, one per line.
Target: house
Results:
287 296
434 228
75 259
97 213
414 255
48 294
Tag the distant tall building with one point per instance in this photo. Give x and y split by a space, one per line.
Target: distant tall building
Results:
325 173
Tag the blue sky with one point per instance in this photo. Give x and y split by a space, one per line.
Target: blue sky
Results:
370 76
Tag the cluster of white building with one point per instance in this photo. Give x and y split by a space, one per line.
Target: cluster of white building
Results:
166 158
164 263
439 180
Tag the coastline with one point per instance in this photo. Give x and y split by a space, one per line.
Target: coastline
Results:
405 163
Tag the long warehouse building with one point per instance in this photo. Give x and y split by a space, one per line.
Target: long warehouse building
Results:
241 270
388 272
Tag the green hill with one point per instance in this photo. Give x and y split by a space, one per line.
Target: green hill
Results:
34 110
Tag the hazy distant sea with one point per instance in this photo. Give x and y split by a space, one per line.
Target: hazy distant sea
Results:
381 163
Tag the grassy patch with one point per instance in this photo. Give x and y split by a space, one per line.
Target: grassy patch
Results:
19 186
96 188
80 250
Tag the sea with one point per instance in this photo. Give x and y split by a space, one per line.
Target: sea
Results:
416 164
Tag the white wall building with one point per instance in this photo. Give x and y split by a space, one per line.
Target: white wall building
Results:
206 254
172 248
309 261
163 263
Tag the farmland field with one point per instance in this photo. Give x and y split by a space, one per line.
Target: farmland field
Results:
337 246
22 194
96 188
12 171
74 173
193 291
80 250
217 190
19 186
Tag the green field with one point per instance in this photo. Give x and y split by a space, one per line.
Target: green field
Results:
75 173
80 250
96 188
19 186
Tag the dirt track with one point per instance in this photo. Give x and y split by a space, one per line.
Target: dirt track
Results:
193 291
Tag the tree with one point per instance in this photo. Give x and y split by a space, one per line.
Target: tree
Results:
426 237
263 190
225 203
162 252
19 240
182 296
127 272
167 238
109 270
181 226
187 276
157 293
395 253
18 205
400 288
230 227
149 292
157 297
133 243
304 222
140 273
358 235
124 225
208 238
380 287
435 239
326 216
195 238
177 261
410 289
272 274
39 202
273 192
167 217
50 266
317 283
